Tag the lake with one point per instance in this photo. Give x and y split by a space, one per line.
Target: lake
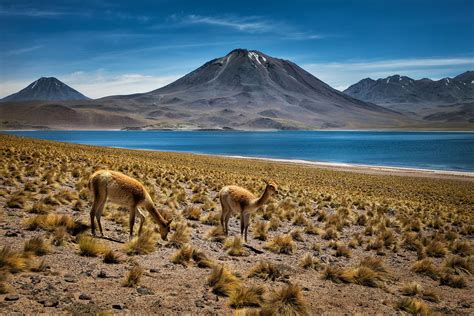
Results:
428 150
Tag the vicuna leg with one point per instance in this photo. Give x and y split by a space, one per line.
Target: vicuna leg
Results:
97 206
131 219
246 224
226 220
98 214
242 224
142 221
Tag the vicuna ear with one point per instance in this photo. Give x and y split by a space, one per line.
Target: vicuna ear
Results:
265 180
169 222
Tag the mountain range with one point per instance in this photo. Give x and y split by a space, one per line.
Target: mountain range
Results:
245 89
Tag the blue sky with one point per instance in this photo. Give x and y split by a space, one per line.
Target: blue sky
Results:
119 47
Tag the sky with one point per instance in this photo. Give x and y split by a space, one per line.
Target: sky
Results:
120 47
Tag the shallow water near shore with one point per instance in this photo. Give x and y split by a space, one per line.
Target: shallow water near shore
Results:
425 150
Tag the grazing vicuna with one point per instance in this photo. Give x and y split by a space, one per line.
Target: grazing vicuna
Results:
235 199
124 191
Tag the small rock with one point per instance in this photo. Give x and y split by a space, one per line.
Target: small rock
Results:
154 270
70 278
144 291
84 297
118 306
199 303
306 289
102 274
12 233
12 297
465 304
51 302
35 279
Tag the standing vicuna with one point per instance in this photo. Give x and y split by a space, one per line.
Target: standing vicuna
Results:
235 199
124 191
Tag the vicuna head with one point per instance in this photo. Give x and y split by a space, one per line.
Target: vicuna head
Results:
272 187
165 229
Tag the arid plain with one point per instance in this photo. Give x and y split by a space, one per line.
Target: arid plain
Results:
331 241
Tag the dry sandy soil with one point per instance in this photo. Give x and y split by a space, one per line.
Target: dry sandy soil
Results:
398 219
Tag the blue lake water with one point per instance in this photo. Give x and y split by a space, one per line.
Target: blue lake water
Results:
429 150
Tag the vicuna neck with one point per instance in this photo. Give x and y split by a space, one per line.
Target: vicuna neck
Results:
156 215
263 198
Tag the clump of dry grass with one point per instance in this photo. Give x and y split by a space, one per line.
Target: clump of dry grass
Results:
462 248
234 246
309 262
16 200
211 218
333 274
260 230
247 296
37 245
281 244
90 247
39 208
4 287
436 249
111 257
133 276
455 281
342 251
312 229
267 271
413 306
287 300
370 272
299 220
216 233
201 259
183 255
330 233
458 265
192 212
275 222
222 281
143 244
50 222
12 261
426 267
180 236
297 234
411 289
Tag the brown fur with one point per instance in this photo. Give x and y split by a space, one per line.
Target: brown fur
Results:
125 191
235 199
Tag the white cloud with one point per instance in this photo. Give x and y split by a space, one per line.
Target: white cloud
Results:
248 24
343 74
23 50
99 83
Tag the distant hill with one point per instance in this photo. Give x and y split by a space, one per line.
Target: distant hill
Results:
249 89
446 101
46 89
398 89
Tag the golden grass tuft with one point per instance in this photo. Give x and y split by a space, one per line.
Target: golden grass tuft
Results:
222 281
111 257
297 234
260 230
201 259
37 245
426 267
436 249
287 300
133 277
143 244
463 248
90 247
180 236
216 233
192 212
183 255
342 251
247 296
411 289
12 261
455 281
211 218
413 306
458 265
267 271
235 247
309 262
281 244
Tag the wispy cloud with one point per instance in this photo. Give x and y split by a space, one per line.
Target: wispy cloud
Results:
23 50
343 74
248 24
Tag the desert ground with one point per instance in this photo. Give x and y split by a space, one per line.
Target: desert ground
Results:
332 241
